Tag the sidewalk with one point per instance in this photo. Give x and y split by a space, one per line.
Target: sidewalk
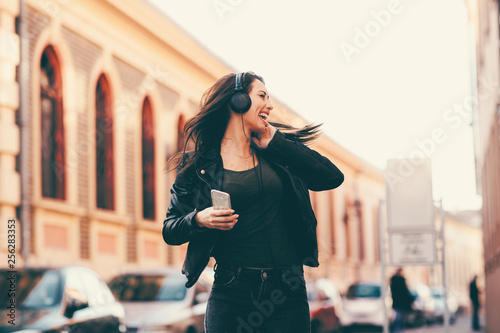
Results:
462 325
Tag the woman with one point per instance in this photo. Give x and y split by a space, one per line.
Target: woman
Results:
261 244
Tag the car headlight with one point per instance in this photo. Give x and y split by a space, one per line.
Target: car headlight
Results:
156 329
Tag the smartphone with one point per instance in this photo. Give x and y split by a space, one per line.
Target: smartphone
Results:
220 200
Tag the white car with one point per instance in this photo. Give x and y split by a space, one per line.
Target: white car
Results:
439 308
158 300
363 305
422 308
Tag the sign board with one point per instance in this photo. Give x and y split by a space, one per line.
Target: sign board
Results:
409 194
412 248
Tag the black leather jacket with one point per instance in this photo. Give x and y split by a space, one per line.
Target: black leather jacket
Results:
306 170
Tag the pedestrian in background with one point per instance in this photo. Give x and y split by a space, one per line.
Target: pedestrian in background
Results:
401 300
474 298
262 241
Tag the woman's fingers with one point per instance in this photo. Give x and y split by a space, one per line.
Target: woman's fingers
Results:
224 222
220 212
222 219
224 225
263 139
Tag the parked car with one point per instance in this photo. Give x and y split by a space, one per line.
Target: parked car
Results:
325 304
363 305
422 308
68 299
158 300
439 305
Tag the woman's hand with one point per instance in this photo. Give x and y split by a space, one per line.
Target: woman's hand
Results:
222 219
262 139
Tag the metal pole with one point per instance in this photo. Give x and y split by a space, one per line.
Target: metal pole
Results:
381 240
443 263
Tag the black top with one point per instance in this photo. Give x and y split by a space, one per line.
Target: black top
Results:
261 237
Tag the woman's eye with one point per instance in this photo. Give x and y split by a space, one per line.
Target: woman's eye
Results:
263 96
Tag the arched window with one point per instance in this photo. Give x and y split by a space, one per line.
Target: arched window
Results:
148 161
333 242
52 127
181 139
376 233
358 206
104 145
347 228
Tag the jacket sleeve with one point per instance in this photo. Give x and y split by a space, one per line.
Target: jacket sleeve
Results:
180 223
317 171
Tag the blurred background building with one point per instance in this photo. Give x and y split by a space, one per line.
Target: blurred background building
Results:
90 112
464 253
487 133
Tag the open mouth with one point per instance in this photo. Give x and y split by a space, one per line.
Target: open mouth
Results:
263 116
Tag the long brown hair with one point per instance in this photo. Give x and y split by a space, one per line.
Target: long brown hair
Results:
206 129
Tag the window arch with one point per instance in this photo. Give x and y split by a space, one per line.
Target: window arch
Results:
333 241
358 206
347 227
104 145
181 138
52 127
148 161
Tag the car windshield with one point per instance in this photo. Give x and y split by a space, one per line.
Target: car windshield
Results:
149 288
33 289
437 293
363 291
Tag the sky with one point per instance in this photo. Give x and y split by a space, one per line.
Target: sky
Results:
388 79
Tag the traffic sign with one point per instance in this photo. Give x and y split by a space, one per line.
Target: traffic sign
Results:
412 248
409 194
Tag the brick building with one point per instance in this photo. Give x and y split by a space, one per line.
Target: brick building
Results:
487 132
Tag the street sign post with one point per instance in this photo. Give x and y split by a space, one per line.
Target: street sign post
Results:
410 236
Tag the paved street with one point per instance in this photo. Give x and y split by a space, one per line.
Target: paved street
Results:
462 325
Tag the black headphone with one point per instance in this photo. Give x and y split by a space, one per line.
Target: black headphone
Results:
240 102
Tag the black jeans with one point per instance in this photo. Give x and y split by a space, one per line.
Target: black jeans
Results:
258 301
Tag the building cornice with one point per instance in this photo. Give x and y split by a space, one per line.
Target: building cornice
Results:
154 21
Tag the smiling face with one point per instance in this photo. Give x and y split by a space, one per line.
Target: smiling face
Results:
255 118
